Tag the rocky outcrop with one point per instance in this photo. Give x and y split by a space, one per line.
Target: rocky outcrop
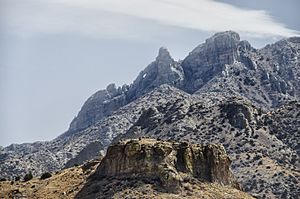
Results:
76 183
99 105
239 115
167 161
88 153
209 59
150 168
164 70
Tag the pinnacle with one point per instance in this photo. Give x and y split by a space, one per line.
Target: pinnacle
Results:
163 54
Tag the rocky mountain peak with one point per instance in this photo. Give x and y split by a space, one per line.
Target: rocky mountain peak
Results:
163 51
223 36
163 54
112 89
164 70
209 59
164 60
222 42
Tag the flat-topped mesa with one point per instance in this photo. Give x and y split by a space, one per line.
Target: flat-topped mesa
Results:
169 162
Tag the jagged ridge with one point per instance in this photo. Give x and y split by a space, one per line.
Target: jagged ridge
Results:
222 67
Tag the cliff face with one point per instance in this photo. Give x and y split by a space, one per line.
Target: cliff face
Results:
167 161
209 59
149 168
144 168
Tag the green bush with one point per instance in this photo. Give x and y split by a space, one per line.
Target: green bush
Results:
45 175
28 177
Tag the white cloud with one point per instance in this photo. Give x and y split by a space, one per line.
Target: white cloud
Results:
119 18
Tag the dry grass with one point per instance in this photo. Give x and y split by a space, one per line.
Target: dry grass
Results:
67 183
64 184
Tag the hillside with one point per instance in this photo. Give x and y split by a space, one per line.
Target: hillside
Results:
140 169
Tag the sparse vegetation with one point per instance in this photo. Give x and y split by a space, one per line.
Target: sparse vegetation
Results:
45 175
261 141
28 177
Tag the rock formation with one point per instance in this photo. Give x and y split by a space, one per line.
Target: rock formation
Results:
164 70
149 168
169 162
209 59
99 105
225 91
189 176
88 153
267 76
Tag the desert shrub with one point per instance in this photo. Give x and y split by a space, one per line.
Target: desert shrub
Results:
2 179
17 178
28 177
45 175
257 157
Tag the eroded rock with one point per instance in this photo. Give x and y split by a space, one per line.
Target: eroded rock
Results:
167 162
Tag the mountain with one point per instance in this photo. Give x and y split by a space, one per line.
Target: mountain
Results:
41 157
164 70
225 91
266 76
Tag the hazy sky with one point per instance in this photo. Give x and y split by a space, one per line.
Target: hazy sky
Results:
55 53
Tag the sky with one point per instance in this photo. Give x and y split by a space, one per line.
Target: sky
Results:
54 54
